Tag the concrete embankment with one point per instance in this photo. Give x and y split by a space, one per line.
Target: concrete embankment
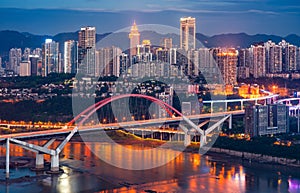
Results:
258 157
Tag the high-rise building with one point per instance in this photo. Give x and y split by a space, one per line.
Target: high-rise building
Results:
144 53
291 58
266 119
25 68
244 63
87 51
162 55
15 58
226 59
87 37
70 56
192 63
124 64
188 33
50 57
134 37
108 61
33 59
167 43
26 54
258 64
38 51
275 59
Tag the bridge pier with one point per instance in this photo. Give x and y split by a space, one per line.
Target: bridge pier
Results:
7 159
187 140
202 140
39 161
54 163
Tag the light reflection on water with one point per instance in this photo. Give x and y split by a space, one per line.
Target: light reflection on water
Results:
84 172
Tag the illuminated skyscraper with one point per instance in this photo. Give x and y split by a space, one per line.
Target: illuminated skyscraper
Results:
87 37
226 59
50 57
86 50
134 37
258 65
70 56
187 33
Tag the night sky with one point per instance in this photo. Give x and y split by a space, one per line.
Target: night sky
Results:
278 17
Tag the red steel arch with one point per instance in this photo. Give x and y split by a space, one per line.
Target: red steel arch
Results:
93 108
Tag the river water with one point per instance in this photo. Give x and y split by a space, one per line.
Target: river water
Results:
189 172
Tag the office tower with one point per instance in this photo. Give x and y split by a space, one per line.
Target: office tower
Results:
0 62
167 43
87 51
33 59
25 68
70 56
258 64
134 37
244 62
15 58
266 120
108 61
187 33
50 57
226 59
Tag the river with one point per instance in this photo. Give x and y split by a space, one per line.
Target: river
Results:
189 172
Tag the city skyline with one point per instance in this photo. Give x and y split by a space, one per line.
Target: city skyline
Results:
213 17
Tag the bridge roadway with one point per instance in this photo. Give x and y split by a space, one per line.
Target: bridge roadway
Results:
138 123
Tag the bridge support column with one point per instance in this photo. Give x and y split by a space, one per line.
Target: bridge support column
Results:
211 107
55 163
161 137
202 140
226 106
242 105
39 161
7 159
187 140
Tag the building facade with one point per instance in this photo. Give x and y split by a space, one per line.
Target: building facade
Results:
188 33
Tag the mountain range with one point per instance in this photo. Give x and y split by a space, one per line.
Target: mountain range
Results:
13 39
